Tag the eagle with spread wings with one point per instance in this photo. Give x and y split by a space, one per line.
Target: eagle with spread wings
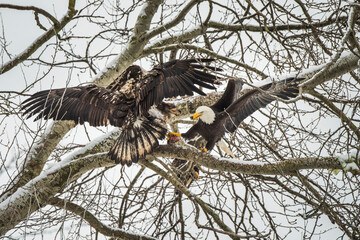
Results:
133 101
229 111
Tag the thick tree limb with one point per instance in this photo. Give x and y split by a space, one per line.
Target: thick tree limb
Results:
37 192
34 189
40 154
134 48
333 69
287 167
181 38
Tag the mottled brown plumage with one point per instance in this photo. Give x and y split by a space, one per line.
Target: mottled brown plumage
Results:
133 102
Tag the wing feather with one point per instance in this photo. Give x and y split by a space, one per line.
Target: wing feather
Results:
204 76
91 103
230 94
255 99
186 86
190 84
199 81
174 78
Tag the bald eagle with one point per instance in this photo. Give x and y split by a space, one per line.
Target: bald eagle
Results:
229 111
188 171
133 102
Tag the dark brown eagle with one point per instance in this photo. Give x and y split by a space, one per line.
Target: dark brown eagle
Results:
229 111
134 102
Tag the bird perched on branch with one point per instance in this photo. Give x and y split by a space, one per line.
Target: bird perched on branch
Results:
229 111
134 102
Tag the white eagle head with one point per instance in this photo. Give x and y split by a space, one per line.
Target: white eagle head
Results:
206 114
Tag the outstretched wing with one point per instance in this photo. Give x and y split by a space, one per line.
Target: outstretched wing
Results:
230 94
175 78
96 105
255 99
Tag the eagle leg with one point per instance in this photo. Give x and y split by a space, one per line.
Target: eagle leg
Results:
172 137
173 133
204 149
194 175
187 171
197 172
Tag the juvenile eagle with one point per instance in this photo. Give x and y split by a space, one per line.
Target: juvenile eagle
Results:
133 102
228 112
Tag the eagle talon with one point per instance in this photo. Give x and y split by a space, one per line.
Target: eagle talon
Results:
197 175
203 149
170 134
172 137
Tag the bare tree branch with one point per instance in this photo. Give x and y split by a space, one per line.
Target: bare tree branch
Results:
32 8
41 40
288 178
96 223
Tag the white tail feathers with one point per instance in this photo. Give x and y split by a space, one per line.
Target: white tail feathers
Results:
225 148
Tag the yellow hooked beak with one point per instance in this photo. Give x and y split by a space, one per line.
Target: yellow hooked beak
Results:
196 116
175 111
